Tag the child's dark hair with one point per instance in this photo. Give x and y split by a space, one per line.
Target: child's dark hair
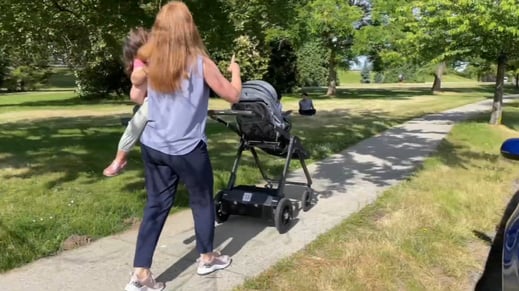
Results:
135 39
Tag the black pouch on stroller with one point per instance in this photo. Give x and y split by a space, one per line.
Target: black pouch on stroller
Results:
260 124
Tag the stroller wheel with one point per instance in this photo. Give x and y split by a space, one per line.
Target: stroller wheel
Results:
307 200
283 215
221 209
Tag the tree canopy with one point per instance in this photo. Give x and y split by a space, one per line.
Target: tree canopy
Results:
287 42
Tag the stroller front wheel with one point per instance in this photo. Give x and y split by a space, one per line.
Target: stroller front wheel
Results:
283 215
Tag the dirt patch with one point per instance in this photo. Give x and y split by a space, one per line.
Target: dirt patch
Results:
75 241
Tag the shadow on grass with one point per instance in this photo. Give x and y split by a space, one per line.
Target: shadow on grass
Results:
83 146
79 148
396 93
69 102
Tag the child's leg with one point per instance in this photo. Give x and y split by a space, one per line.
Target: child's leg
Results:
134 129
130 136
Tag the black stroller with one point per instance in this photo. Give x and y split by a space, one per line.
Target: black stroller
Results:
260 124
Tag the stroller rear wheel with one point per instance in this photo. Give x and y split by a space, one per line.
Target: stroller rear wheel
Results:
283 215
221 209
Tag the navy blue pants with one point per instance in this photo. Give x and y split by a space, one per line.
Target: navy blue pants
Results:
163 172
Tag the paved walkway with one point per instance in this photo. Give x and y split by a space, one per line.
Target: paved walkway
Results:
345 182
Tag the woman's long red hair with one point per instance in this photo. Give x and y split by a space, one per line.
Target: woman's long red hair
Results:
173 46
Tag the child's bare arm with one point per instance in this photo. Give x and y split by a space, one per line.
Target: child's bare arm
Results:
138 92
138 76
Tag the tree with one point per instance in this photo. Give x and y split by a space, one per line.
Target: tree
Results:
334 23
462 29
312 64
85 33
271 30
282 68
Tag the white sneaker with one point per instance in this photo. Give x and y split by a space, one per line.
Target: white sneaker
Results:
218 263
147 285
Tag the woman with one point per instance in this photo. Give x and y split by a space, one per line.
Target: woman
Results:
173 143
306 106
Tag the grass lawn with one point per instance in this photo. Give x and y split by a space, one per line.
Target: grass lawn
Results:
347 78
51 164
421 234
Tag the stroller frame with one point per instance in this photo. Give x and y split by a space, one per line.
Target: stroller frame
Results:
261 201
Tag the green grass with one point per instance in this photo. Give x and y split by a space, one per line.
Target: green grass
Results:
450 78
348 77
353 77
420 235
50 168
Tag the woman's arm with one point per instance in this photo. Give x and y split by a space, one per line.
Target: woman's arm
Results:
229 91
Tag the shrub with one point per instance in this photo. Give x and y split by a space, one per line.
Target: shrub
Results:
311 65
26 77
101 79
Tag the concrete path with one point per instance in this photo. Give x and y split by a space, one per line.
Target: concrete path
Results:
345 183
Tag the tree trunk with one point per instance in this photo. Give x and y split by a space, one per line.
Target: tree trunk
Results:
497 105
332 75
517 81
437 84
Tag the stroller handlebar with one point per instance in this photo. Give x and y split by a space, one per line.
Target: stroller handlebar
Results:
214 113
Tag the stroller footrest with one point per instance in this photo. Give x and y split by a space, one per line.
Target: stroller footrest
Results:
250 201
251 195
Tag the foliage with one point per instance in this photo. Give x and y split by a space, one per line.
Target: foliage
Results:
282 69
334 24
85 34
486 29
4 69
102 79
312 65
379 40
25 77
252 60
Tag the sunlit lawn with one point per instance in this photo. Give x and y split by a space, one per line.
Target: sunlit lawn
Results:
424 234
50 167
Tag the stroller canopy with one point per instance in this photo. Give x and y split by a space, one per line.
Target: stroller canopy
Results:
258 90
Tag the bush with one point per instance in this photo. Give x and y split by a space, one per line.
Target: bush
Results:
101 79
24 78
312 69
252 60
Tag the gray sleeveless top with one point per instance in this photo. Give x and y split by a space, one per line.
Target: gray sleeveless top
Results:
177 120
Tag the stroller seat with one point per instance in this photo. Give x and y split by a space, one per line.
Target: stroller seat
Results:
261 130
259 123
